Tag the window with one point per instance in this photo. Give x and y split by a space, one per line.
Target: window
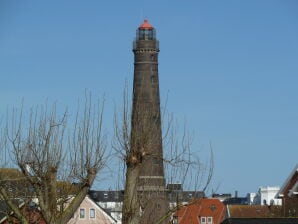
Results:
152 57
145 34
92 213
213 207
82 213
105 195
209 220
152 79
116 195
175 220
203 220
155 160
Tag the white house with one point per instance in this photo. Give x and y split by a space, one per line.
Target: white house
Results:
91 213
265 196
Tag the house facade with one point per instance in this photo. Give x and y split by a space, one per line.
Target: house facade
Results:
112 201
288 193
266 196
91 213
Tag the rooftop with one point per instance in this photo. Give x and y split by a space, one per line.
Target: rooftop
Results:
145 25
204 207
253 211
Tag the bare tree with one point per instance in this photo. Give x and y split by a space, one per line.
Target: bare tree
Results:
57 161
180 162
122 143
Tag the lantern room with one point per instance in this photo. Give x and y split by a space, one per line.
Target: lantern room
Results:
145 31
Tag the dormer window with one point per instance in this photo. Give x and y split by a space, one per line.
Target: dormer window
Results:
105 195
206 220
203 220
209 220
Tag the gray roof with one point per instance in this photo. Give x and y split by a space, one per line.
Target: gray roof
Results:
5 210
118 196
107 196
184 196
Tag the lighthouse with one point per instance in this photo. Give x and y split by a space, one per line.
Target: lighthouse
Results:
146 132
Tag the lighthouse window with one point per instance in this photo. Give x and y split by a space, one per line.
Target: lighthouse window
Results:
145 34
155 160
153 79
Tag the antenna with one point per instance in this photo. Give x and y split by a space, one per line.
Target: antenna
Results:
141 13
142 9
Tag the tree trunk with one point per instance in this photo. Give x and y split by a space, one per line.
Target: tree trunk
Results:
17 212
131 205
77 200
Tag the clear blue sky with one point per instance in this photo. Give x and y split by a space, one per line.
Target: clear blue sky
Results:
229 67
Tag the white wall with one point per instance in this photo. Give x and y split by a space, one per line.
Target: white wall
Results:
265 196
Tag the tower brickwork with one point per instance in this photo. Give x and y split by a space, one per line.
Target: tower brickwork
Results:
146 123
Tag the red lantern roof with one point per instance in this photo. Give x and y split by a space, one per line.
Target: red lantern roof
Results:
146 25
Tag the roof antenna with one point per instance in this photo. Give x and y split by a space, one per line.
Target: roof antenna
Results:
142 14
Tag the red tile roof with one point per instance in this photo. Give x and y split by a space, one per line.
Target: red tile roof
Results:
203 207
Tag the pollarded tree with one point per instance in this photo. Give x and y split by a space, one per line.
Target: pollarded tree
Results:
180 162
136 149
57 161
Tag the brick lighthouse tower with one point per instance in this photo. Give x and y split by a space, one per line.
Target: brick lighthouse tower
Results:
146 131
